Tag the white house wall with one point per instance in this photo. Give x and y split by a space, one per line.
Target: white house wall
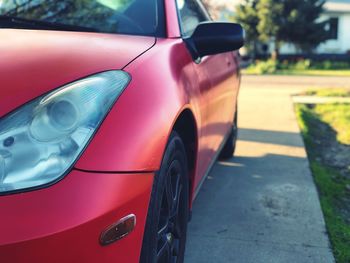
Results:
342 44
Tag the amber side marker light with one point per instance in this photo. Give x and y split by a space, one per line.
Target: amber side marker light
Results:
118 230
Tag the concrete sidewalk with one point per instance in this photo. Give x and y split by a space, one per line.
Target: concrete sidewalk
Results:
262 205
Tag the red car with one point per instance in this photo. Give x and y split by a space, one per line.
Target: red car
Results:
112 114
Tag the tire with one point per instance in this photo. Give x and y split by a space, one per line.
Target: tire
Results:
166 225
228 150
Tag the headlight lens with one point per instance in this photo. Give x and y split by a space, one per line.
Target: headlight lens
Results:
40 141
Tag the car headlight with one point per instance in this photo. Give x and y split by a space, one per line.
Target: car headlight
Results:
40 141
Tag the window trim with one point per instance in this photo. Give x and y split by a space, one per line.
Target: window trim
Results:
160 27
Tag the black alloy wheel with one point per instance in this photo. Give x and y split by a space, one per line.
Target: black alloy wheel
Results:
165 233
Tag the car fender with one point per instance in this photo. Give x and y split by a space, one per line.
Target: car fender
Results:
135 132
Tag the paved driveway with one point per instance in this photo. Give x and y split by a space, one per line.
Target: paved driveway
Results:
262 205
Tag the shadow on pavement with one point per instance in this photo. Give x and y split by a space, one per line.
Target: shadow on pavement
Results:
273 137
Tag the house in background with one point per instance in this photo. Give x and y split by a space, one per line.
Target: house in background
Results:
337 16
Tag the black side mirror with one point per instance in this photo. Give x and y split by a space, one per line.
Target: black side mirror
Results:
211 38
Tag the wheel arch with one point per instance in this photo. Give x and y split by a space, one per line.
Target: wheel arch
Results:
186 126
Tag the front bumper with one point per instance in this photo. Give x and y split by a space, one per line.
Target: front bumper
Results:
63 223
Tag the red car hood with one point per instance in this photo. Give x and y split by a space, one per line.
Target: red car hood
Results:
34 62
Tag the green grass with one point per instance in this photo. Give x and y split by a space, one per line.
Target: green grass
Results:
306 72
338 117
329 92
331 185
332 189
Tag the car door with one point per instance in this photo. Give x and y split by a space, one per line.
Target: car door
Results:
222 72
218 86
190 15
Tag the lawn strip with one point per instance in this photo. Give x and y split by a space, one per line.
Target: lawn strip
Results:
324 128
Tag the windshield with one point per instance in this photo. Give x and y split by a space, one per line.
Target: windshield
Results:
135 17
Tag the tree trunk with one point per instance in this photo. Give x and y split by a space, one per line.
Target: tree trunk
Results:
255 49
276 52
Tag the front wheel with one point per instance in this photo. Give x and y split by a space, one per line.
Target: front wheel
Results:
230 145
165 231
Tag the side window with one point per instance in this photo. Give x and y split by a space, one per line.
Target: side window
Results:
191 13
333 26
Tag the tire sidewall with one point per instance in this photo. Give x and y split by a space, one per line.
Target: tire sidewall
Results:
175 150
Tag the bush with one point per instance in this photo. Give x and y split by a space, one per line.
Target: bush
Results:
301 65
266 67
327 64
272 66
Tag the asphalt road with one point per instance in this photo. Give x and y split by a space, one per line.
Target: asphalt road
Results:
262 205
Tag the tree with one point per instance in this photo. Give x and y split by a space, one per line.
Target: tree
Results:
247 16
287 21
302 27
